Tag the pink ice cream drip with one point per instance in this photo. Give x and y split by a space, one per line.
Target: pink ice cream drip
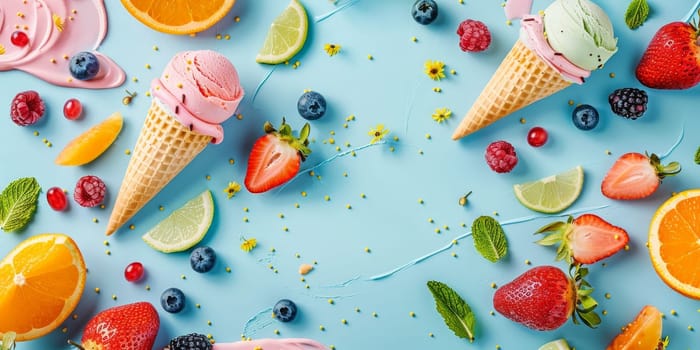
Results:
533 37
272 344
535 40
202 89
57 30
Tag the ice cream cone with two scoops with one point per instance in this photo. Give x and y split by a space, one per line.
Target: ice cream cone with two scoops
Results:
197 91
556 48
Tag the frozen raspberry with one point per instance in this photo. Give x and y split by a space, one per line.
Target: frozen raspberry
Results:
27 108
474 36
89 191
501 157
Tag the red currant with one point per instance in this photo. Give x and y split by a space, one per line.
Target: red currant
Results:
57 198
72 109
19 39
134 272
537 136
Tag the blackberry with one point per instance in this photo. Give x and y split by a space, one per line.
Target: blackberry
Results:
630 103
191 341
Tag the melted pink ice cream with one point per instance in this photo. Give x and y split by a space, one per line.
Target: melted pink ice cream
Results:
57 30
202 89
272 344
533 37
517 8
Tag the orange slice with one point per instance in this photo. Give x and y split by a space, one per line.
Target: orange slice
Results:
92 143
41 281
674 242
178 16
644 332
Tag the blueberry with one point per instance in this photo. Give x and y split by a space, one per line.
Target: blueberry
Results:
84 66
172 300
311 105
585 117
285 310
202 259
424 11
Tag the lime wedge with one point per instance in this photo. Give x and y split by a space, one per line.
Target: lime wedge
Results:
286 36
184 227
551 194
559 344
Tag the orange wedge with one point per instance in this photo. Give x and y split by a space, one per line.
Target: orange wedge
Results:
178 16
644 332
92 143
41 281
674 242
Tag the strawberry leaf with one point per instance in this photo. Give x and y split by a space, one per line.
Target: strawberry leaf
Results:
18 203
697 156
637 12
489 238
454 310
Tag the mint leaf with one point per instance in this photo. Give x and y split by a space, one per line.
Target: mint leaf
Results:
697 156
454 310
18 203
637 12
489 238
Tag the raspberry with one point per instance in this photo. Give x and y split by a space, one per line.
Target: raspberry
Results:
501 157
630 103
27 108
89 191
474 36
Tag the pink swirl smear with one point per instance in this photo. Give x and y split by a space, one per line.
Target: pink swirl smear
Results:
272 344
57 30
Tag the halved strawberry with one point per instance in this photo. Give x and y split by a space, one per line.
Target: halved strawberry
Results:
584 240
636 176
276 157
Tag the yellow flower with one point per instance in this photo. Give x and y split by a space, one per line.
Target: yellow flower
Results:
331 49
442 114
249 244
378 133
232 189
435 69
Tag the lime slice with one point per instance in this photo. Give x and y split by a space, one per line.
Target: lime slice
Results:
184 227
551 194
286 36
559 344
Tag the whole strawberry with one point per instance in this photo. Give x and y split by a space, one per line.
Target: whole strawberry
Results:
672 60
636 176
544 297
127 327
276 157
584 240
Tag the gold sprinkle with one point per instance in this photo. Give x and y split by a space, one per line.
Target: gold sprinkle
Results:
227 37
674 312
303 193
183 277
327 198
528 262
414 39
494 285
97 290
344 321
105 242
236 19
330 301
427 136
218 36
127 152
412 314
64 329
277 331
95 220
431 335
607 296
161 208
420 201
148 287
114 297
155 48
374 314
370 57
611 75
208 323
571 102
690 328
228 269
367 250
322 328
135 79
357 309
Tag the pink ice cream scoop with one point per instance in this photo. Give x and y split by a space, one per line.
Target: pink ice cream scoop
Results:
53 31
202 89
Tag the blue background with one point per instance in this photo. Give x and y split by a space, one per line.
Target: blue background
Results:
390 89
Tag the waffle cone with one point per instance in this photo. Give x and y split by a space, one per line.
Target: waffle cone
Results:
164 147
521 79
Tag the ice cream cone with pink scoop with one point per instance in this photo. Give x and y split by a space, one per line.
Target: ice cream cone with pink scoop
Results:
559 47
197 91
